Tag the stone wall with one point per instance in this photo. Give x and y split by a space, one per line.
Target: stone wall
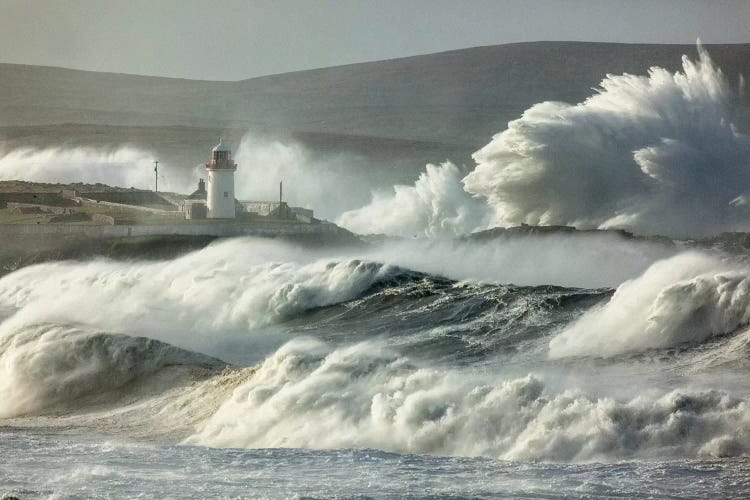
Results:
269 229
129 198
19 208
103 219
157 211
35 198
268 209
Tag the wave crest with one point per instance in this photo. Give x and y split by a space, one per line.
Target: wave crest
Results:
363 396
220 291
687 298
46 365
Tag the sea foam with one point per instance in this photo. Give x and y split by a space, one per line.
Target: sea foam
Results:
688 298
310 395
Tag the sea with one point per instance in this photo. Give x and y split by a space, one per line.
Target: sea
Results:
551 366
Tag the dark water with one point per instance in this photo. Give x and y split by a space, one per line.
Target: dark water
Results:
352 378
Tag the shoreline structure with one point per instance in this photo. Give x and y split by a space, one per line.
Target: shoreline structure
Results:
106 212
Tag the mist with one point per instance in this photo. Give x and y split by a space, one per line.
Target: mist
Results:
327 184
125 166
586 261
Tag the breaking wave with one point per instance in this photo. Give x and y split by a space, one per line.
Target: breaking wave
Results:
47 365
655 154
222 291
688 298
363 396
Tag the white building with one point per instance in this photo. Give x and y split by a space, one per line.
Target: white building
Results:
220 196
215 199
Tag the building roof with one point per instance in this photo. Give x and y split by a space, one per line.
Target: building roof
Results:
221 146
197 195
200 193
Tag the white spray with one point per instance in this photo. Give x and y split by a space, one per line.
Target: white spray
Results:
654 154
435 206
124 167
687 298
363 396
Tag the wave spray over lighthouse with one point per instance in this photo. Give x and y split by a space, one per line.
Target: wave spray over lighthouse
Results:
220 199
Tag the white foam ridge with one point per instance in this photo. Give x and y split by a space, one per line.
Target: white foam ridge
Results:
223 290
688 298
310 395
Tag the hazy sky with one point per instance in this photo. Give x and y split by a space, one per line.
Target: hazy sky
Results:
234 39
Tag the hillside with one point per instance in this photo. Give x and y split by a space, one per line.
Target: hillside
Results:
431 107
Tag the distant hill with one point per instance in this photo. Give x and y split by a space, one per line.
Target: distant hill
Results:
427 107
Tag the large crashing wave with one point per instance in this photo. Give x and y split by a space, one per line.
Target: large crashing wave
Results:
688 298
45 365
362 396
240 284
221 291
654 154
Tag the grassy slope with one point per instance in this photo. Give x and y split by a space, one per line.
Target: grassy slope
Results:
455 101
450 96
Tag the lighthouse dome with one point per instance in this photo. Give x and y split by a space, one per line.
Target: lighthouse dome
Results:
221 147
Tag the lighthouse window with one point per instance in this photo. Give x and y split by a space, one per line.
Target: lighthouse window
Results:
226 194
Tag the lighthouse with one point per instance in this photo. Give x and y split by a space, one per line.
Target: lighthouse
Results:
220 189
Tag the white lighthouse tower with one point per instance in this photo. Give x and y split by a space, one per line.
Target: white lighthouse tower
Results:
220 197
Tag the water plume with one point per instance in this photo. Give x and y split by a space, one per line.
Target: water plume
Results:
653 154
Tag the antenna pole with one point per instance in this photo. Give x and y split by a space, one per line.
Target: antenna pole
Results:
156 175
